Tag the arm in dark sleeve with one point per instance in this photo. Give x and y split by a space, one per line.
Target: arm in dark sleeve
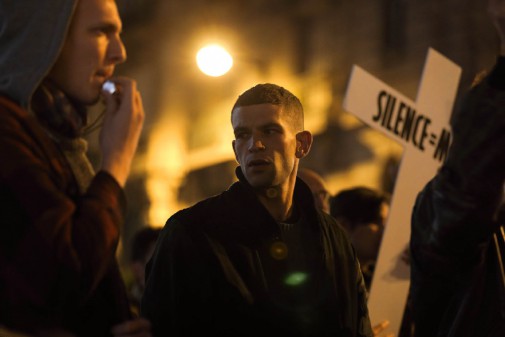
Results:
456 214
457 210
450 232
104 204
476 162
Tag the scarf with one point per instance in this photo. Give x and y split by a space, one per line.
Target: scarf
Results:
64 121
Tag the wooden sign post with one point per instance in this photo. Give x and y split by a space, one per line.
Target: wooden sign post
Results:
422 127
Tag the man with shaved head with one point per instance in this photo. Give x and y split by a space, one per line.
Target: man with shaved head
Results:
259 259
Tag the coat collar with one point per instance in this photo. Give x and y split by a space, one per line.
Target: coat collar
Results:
249 219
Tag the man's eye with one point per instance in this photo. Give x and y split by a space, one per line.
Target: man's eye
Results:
104 30
99 32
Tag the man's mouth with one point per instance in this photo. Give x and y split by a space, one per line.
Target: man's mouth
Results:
103 75
258 163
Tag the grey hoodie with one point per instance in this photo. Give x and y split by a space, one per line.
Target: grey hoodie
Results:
31 37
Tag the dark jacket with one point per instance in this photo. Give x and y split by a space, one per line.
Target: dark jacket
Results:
457 244
57 239
213 273
57 247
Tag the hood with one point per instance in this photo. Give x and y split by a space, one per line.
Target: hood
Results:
32 33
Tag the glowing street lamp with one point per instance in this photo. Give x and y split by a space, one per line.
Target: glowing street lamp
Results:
214 60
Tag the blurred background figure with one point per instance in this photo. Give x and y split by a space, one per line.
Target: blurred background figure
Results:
362 211
143 245
318 188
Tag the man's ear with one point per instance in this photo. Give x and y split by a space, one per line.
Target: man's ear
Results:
303 143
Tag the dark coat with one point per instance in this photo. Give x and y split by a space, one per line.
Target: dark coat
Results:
457 244
212 273
457 285
57 247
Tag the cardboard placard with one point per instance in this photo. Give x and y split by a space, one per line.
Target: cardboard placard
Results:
422 127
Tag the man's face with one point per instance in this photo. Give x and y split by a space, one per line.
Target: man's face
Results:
91 51
265 145
318 189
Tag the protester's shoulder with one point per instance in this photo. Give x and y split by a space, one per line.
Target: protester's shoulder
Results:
337 232
203 210
199 217
191 225
18 124
337 238
332 223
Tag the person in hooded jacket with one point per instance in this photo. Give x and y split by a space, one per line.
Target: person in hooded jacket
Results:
258 259
59 220
458 236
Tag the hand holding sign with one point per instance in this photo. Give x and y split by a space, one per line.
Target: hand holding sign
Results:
379 328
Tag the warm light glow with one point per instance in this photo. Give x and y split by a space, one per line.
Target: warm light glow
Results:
214 60
165 160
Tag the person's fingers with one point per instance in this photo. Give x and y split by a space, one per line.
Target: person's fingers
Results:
380 327
111 101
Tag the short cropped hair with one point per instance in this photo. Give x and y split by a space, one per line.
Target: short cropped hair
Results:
268 93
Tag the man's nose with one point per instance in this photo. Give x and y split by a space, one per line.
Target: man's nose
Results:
256 145
117 50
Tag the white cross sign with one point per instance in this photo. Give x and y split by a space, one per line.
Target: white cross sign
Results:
422 127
